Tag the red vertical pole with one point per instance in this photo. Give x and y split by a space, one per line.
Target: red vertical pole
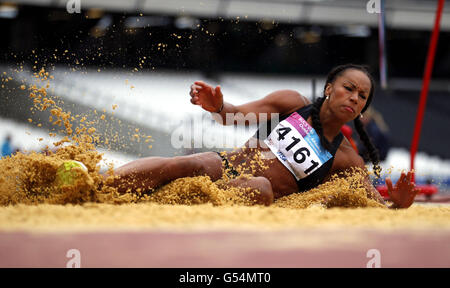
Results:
426 83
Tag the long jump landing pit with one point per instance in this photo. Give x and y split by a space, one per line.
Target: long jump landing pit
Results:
155 235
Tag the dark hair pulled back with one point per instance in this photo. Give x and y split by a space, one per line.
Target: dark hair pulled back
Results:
332 76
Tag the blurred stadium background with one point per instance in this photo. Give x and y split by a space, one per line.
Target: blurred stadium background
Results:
143 55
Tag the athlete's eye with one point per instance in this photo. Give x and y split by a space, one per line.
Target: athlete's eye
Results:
362 96
348 88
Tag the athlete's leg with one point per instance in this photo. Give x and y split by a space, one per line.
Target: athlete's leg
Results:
152 172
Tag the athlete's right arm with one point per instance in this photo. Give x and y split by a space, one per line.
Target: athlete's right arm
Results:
211 99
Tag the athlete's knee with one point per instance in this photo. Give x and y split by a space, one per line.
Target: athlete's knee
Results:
264 187
261 192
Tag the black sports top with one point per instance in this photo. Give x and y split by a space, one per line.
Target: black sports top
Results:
316 177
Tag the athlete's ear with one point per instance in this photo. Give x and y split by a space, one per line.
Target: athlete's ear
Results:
328 89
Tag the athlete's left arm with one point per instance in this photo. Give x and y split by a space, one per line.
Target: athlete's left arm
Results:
401 195
347 159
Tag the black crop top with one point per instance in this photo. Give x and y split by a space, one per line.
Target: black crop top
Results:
315 178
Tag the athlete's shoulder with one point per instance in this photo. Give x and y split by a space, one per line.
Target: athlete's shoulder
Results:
291 100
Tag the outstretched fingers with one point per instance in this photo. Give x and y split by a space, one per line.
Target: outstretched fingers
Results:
201 84
409 176
195 89
411 185
218 91
404 191
195 101
389 185
402 178
405 180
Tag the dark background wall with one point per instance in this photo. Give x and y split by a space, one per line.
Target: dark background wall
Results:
213 44
399 109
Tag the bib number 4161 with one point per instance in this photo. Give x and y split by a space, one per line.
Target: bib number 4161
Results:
301 153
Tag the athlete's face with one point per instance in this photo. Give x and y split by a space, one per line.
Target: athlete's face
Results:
348 94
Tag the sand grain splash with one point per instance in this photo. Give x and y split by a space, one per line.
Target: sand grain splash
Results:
29 178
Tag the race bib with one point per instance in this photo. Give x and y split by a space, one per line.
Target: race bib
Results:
297 145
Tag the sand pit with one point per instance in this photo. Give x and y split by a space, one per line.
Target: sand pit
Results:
334 225
206 217
156 235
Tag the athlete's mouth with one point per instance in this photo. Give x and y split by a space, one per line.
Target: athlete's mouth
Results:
349 109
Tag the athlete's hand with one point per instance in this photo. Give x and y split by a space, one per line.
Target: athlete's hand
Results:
404 192
208 97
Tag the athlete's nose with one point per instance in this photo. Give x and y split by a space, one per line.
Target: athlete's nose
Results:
354 97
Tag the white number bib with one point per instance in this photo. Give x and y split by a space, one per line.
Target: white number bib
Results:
297 145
